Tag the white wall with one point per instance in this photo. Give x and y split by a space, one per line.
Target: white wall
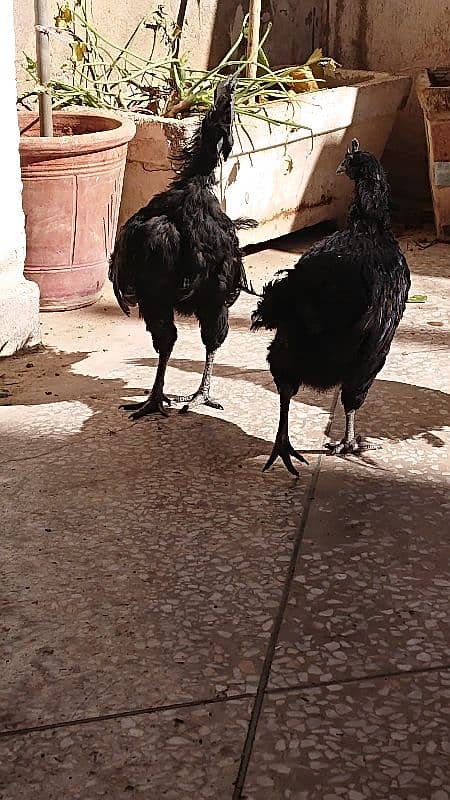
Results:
19 299
12 233
209 27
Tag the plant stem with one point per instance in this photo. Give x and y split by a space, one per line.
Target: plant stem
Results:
254 23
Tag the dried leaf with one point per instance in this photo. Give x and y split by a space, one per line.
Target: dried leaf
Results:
289 165
316 56
79 50
64 16
304 80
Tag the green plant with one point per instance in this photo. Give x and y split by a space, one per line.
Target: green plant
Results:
101 74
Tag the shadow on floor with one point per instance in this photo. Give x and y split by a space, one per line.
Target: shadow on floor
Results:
392 410
125 575
432 336
47 378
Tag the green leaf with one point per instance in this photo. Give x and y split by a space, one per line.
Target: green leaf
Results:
417 298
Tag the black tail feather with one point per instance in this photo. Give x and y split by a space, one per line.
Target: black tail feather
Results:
121 279
245 285
271 309
242 223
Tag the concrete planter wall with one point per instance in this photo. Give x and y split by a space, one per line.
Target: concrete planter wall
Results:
433 89
283 178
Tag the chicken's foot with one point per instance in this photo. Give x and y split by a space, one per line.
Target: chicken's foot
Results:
201 396
157 398
153 405
351 443
282 446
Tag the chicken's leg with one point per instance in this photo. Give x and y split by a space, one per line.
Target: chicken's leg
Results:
282 446
201 396
154 404
350 443
164 334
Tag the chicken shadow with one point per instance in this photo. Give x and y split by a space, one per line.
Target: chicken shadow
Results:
393 410
47 378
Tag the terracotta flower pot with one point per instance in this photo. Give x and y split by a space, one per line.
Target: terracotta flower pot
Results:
72 185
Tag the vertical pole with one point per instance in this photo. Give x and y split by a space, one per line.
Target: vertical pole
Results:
254 22
43 66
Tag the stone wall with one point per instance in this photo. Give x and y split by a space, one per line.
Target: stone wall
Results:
398 37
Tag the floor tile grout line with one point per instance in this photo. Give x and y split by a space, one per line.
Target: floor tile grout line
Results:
135 712
371 676
270 652
281 690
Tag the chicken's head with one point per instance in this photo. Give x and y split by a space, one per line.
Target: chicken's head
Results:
218 123
360 165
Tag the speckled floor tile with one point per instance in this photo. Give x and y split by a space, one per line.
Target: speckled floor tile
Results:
156 583
189 753
143 562
386 739
370 592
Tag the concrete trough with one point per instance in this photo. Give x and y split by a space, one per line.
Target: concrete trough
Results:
284 178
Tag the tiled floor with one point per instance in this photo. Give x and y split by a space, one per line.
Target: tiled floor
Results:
175 623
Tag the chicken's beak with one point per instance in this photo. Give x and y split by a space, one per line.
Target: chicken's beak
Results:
341 169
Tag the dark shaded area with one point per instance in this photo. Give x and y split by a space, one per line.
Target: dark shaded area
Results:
283 47
402 410
50 378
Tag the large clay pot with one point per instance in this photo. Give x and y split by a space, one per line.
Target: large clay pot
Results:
72 185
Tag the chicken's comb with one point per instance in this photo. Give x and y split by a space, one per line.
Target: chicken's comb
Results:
354 147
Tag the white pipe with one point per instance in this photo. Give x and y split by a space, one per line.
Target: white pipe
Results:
43 66
254 22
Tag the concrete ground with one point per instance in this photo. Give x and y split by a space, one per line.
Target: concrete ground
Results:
175 622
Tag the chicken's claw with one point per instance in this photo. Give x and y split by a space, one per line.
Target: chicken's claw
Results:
197 399
154 405
284 450
346 446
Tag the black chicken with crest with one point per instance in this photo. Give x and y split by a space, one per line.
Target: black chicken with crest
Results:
336 313
181 253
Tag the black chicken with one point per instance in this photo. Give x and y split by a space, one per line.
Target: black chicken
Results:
336 312
181 253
